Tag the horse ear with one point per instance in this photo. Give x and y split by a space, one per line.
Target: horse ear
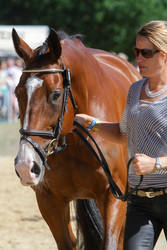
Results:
54 44
21 47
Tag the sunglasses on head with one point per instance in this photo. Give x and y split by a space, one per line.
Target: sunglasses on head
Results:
146 53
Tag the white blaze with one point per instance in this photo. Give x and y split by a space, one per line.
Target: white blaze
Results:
26 155
31 85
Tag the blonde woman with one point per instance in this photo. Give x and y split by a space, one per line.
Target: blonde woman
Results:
144 124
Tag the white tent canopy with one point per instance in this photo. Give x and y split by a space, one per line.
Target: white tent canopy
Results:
33 35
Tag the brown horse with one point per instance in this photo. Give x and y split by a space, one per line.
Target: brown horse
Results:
62 171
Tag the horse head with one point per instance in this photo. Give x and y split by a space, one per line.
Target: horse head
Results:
42 93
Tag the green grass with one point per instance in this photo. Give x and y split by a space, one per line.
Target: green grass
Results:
9 138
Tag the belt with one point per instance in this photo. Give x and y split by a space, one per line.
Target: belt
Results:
149 194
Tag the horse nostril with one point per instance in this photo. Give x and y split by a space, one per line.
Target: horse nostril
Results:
35 169
16 160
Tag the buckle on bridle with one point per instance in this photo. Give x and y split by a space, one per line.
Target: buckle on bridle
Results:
50 148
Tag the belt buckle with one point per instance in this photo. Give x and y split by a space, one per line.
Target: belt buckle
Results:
150 194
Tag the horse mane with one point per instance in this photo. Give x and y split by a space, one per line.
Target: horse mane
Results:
62 35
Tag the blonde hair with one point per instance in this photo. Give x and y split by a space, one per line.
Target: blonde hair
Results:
156 33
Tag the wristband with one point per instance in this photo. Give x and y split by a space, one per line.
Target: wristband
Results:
158 165
96 126
92 124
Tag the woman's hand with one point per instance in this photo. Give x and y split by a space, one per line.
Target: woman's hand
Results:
143 164
84 120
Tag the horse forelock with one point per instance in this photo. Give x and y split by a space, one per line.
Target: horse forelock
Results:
41 51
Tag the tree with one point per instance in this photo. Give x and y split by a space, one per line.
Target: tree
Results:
107 24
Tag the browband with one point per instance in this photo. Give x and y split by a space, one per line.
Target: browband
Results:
43 70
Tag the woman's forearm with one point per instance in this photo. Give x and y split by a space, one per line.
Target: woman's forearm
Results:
111 131
108 130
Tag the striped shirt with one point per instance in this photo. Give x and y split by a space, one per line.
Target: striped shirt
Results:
145 125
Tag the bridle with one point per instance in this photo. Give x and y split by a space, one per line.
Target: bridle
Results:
55 134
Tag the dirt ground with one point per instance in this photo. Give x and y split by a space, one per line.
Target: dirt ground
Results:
21 225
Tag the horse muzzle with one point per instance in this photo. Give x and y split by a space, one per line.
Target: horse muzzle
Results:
29 174
28 165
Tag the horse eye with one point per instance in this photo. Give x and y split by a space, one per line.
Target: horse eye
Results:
55 95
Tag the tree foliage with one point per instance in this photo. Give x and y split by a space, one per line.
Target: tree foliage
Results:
106 24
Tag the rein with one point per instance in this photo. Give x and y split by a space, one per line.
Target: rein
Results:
117 193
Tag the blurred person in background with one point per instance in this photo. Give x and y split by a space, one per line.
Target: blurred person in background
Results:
19 64
4 90
14 73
